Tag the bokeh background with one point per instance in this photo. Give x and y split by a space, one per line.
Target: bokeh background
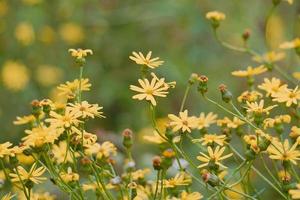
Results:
36 34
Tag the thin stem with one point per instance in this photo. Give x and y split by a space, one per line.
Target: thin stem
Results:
157 182
268 170
188 87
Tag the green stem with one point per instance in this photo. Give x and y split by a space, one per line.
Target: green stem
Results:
188 87
157 182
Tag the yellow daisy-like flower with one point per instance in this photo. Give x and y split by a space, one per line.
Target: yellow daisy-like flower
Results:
140 174
69 176
33 175
284 176
85 110
61 154
249 96
187 196
105 149
258 108
180 179
250 71
272 86
295 132
271 122
205 121
215 15
183 122
140 59
70 89
295 193
80 53
154 138
291 45
4 149
8 196
41 135
66 120
214 156
283 152
150 89
287 96
209 139
269 57
234 123
27 119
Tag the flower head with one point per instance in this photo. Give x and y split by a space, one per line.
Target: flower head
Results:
214 156
291 45
80 53
210 139
85 110
287 96
204 121
183 122
33 175
269 57
70 89
258 108
140 59
272 86
215 15
250 71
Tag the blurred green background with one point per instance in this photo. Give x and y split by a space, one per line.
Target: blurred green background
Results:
35 36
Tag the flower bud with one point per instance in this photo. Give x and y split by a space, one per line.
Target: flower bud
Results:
156 163
210 178
263 143
246 35
202 87
250 154
226 94
193 78
127 138
36 108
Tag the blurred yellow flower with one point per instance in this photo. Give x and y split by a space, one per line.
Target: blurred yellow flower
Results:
250 71
210 139
53 75
105 149
295 193
296 75
204 121
27 119
15 75
269 57
3 7
46 35
291 45
8 196
31 2
234 195
69 176
140 59
71 33
69 89
24 33
249 96
295 132
24 159
215 15
234 123
61 154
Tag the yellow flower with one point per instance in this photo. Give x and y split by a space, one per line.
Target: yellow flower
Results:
284 176
140 59
157 87
41 135
258 108
70 89
283 151
46 35
33 175
269 57
106 149
24 159
140 174
15 75
234 123
88 138
205 121
183 122
287 96
271 122
71 33
24 33
61 154
69 176
65 121
4 149
295 132
48 75
8 196
272 86
214 156
187 196
154 138
249 96
86 110
180 179
215 15
210 139
291 45
80 53
250 71
296 75
295 193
